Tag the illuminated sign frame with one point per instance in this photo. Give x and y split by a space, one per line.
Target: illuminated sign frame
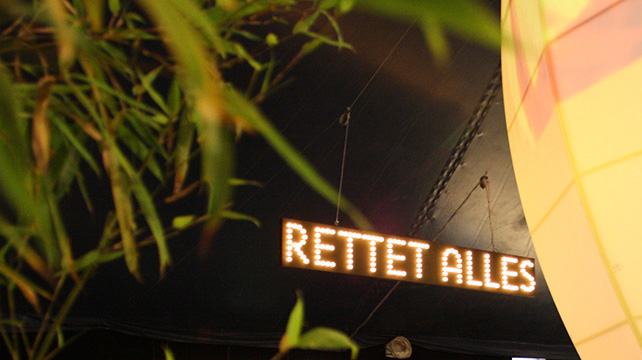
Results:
309 245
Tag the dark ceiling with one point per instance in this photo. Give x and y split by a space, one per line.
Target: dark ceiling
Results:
402 131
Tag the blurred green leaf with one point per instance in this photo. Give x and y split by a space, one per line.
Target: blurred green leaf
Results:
95 13
436 39
243 182
65 34
181 222
217 163
124 208
304 25
29 289
469 19
148 208
169 355
322 338
114 6
15 159
292 335
200 20
77 141
233 215
272 39
182 152
147 81
239 106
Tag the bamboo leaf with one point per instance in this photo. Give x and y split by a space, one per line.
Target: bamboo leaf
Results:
243 182
148 208
26 286
233 215
323 338
147 81
95 13
200 19
238 105
217 163
199 75
16 237
64 244
76 141
182 152
436 39
65 36
306 23
292 335
15 177
124 209
169 355
40 126
181 222
466 18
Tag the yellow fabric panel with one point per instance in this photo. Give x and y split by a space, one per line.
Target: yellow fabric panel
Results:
560 16
618 343
590 116
543 171
574 269
614 197
510 84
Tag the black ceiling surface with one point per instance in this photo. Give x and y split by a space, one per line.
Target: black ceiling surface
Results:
402 131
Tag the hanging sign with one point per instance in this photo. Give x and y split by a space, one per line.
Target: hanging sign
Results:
308 245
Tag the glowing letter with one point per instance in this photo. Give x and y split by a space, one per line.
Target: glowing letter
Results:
469 270
419 257
392 257
508 273
487 281
527 275
446 269
296 246
318 246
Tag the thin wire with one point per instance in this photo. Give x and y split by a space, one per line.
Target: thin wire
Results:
490 220
443 227
347 114
455 212
375 309
383 63
343 165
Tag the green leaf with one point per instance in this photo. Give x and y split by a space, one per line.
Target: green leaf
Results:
169 355
239 106
468 19
77 141
174 98
436 39
323 338
233 215
181 222
182 152
304 24
147 81
65 35
15 159
114 6
292 335
217 163
243 182
124 208
272 39
199 18
148 208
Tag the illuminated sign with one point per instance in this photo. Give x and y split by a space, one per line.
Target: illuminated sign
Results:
314 246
